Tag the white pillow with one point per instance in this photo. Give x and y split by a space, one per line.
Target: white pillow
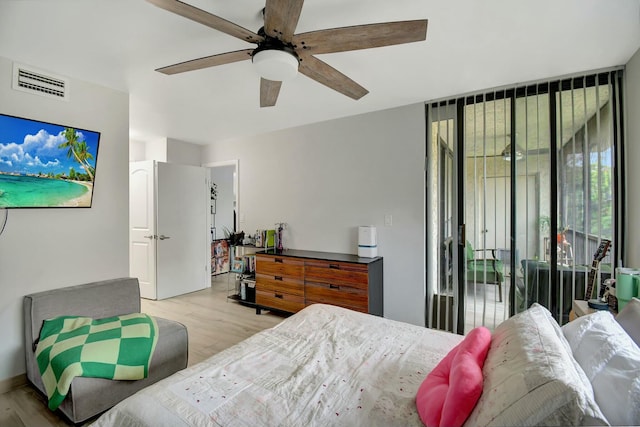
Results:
531 378
611 361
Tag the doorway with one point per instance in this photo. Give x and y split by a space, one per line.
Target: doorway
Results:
224 216
497 199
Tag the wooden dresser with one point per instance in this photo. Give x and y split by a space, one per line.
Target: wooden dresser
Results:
290 280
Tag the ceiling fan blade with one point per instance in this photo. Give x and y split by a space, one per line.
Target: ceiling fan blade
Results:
281 18
208 19
269 90
207 61
537 151
327 75
360 37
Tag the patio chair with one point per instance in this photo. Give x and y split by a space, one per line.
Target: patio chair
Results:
484 270
477 267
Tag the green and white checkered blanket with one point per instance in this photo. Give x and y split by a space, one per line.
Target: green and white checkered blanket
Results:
118 348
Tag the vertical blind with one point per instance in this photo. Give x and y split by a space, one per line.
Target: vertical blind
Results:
522 185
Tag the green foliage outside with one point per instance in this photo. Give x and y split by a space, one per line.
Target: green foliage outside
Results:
599 211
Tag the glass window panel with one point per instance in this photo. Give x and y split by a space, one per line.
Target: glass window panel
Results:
585 146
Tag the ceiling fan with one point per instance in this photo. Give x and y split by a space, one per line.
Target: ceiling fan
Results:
520 153
280 54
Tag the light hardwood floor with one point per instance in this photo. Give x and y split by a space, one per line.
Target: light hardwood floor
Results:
214 323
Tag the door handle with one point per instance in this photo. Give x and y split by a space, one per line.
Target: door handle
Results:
163 237
151 237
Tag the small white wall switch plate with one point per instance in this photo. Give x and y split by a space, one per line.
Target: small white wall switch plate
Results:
388 220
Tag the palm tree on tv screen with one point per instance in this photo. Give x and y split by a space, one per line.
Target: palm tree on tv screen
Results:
77 149
84 155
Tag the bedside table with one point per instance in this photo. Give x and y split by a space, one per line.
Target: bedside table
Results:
581 308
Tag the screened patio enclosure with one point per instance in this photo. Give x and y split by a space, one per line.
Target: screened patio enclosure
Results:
522 186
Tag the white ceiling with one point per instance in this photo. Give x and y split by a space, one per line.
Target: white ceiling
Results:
470 45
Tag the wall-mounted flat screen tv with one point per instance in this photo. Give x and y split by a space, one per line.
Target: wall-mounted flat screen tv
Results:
45 165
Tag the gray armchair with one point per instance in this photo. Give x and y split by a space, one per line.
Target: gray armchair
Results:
88 397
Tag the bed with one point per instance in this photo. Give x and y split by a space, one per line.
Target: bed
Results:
331 366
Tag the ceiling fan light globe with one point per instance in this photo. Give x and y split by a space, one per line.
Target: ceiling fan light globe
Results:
507 157
506 153
276 65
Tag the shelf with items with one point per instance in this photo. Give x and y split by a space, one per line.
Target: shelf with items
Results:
265 239
220 256
242 262
242 276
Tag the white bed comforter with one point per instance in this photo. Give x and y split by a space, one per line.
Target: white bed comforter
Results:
323 366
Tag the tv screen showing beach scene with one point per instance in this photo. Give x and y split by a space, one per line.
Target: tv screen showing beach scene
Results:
45 165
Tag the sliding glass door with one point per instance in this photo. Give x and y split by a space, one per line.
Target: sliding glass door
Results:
521 190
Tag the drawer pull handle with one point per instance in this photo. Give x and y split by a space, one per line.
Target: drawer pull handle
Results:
333 286
279 296
336 266
277 277
278 260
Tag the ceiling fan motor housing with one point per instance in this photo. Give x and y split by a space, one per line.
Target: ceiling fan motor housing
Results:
274 59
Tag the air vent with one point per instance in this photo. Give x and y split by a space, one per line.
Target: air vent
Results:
30 80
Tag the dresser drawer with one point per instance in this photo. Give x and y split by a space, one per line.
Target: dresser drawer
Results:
337 265
280 266
337 273
279 284
279 300
341 295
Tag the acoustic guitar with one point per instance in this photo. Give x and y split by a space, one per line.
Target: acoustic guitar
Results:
601 252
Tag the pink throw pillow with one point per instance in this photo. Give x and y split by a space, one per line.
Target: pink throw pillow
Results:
449 393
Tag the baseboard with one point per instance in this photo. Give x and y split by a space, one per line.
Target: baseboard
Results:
12 383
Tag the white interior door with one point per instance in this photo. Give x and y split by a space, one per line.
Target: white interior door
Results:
495 228
142 227
182 256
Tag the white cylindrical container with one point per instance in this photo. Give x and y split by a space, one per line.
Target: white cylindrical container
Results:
367 241
243 291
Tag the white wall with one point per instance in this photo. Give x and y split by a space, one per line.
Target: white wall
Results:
44 249
325 179
632 157
137 150
156 150
166 150
183 153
